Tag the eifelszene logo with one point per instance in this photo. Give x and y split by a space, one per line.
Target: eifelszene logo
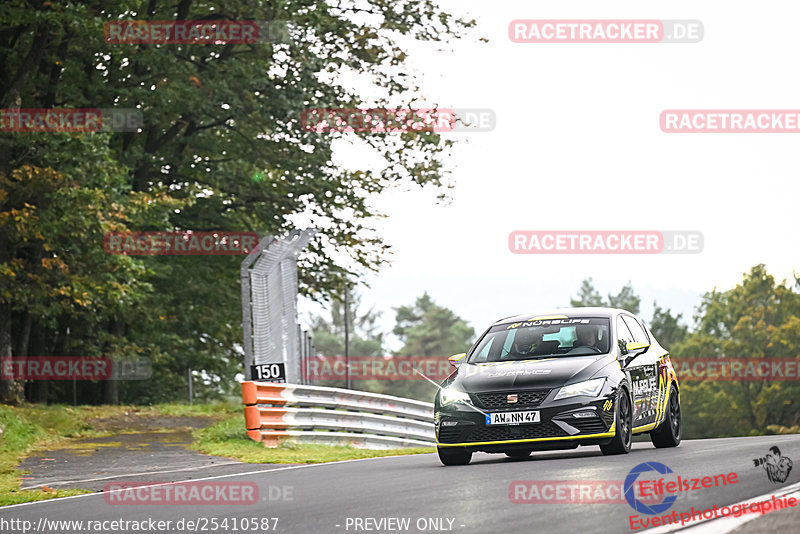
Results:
636 504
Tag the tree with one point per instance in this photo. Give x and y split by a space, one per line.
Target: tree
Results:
587 295
666 327
59 290
427 329
758 319
365 337
626 299
221 148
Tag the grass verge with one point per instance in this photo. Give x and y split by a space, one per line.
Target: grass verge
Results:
228 438
32 427
25 430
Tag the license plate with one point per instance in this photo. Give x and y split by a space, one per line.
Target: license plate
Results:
512 418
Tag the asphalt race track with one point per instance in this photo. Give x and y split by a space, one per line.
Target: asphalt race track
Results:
367 495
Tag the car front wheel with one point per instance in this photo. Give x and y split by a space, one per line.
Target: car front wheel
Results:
454 456
621 442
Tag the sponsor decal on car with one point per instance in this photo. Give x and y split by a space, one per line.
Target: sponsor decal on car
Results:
518 372
544 322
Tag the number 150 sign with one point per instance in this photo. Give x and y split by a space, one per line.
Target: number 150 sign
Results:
269 372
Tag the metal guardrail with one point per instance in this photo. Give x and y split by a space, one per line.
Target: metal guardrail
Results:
315 414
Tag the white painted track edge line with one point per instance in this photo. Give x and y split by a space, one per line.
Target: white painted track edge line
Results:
62 482
257 472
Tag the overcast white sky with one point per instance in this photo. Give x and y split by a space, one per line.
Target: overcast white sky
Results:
578 146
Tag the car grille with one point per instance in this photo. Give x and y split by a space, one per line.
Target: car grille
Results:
542 430
498 400
472 433
449 434
588 426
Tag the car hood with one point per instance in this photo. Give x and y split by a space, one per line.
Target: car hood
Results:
533 374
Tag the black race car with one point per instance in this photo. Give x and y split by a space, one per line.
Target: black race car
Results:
579 376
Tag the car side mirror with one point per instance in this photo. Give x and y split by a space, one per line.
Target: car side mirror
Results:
634 348
628 351
456 359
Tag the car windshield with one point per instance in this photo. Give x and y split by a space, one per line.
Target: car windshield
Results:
548 338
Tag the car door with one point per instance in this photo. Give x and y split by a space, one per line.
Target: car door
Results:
635 372
646 383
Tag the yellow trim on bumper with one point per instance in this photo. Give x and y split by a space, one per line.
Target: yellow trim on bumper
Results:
645 428
566 438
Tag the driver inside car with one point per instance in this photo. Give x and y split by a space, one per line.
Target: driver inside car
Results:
525 341
586 336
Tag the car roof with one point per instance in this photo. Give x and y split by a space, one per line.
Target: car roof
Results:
587 311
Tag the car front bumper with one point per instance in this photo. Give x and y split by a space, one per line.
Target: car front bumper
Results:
463 425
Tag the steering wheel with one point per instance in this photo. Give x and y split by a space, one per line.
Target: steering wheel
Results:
595 349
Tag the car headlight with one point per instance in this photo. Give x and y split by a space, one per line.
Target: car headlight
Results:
590 388
451 395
